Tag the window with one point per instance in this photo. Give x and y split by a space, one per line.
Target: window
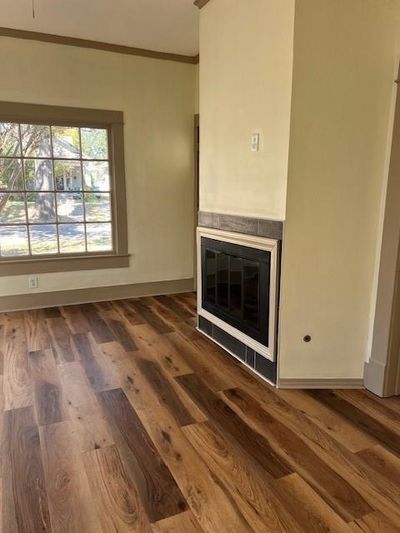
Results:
62 191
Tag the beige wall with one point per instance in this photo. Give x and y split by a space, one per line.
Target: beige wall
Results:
346 56
158 101
245 87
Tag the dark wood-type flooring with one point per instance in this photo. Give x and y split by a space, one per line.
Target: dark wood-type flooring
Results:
120 416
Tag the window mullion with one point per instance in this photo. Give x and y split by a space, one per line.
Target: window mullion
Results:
24 193
83 190
54 188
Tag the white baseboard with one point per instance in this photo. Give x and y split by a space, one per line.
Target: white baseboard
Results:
324 383
95 294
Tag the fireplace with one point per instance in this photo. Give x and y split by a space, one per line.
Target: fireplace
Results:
235 286
237 295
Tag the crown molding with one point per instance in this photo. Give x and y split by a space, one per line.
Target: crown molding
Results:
96 45
201 3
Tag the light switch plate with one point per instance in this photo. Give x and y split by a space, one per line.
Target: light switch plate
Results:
255 142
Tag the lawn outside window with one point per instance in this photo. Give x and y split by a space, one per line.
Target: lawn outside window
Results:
62 189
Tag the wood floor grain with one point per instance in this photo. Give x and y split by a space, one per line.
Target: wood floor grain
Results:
121 417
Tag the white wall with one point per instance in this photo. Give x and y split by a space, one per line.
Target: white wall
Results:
346 55
330 107
158 101
245 86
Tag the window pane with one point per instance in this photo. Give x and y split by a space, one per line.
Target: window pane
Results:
41 207
66 142
94 143
12 208
70 207
35 140
99 237
38 175
72 238
97 207
68 175
11 175
43 239
9 139
13 241
96 175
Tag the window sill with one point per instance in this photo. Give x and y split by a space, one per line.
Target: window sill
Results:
15 267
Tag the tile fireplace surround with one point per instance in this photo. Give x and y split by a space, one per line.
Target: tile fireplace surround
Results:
246 226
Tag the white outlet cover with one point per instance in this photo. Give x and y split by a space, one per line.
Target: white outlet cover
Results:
33 282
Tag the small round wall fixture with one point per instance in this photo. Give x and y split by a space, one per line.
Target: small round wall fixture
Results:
307 338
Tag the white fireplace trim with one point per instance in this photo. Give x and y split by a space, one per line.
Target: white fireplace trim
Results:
260 243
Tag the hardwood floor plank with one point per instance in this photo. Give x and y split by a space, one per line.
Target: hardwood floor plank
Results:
199 362
189 304
225 418
24 489
371 406
117 501
99 373
373 484
250 488
361 419
128 313
92 432
326 419
61 341
180 523
47 392
188 299
165 313
98 326
78 393
165 391
375 523
159 348
311 512
334 489
70 502
209 501
392 403
37 335
159 492
169 302
17 384
122 335
1 433
382 462
75 320
52 312
151 318
89 425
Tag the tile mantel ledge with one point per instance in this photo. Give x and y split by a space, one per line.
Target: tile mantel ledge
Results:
260 227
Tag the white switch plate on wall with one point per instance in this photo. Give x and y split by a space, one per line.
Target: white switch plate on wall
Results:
255 142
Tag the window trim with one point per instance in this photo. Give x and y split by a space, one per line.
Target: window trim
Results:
113 121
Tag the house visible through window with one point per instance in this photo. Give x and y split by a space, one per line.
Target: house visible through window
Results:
55 190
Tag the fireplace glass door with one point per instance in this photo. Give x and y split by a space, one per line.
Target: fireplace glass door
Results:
236 286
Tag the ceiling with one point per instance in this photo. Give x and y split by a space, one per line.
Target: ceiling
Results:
162 25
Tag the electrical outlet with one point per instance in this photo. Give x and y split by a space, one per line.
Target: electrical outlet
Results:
33 282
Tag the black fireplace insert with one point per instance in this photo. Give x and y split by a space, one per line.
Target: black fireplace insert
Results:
236 286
